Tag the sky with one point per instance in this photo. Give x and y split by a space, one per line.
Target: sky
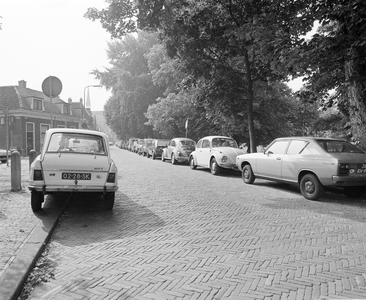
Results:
41 38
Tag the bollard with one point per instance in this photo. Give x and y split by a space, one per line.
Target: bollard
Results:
32 156
16 173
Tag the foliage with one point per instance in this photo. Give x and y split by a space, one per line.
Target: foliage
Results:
132 87
334 59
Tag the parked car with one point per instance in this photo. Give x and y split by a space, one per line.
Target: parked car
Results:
132 144
138 147
73 160
215 153
311 162
178 150
144 149
156 148
3 156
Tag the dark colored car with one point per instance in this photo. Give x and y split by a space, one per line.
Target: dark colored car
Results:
156 148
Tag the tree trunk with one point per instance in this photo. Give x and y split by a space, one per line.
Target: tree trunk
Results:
250 96
357 106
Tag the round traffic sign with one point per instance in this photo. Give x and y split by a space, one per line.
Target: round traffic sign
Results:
52 86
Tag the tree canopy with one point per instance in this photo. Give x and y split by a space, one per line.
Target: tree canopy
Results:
227 57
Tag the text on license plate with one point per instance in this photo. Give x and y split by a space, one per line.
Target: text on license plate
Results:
76 176
361 169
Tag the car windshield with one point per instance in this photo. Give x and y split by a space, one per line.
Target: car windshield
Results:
334 146
224 142
76 142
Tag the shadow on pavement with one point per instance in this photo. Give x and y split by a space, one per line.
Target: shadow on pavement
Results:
86 221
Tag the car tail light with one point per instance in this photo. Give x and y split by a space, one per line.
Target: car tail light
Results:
37 175
111 177
112 173
344 169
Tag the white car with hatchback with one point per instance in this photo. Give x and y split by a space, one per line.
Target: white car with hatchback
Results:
73 160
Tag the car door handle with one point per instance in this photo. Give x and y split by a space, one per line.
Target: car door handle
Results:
278 158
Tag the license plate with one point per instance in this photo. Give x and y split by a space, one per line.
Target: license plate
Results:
361 169
76 176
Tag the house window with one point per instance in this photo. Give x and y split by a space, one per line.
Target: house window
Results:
2 120
37 104
30 136
66 109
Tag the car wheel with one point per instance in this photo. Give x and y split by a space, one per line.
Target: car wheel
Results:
36 200
354 191
214 167
162 157
109 200
153 156
147 155
3 161
310 187
247 174
174 162
191 164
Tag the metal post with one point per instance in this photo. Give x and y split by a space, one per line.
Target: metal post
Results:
51 121
16 172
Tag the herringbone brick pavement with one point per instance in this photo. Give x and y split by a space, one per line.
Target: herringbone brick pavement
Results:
176 233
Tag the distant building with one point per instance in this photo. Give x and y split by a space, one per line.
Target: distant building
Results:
27 114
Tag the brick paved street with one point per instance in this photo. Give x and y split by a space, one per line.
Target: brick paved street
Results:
177 233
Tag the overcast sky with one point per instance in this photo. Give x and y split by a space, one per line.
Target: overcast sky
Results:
40 38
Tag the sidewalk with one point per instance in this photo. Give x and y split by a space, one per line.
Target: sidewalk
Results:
23 233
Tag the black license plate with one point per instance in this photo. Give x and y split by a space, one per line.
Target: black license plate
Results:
76 176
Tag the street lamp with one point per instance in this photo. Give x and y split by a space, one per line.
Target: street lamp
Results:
88 86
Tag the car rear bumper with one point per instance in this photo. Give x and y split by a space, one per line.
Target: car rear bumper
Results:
75 188
349 181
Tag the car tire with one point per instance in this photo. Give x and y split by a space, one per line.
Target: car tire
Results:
191 164
153 156
174 161
214 167
247 174
3 161
148 155
310 187
109 200
37 199
162 157
354 191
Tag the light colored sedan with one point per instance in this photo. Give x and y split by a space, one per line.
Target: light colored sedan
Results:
73 160
215 152
311 162
178 150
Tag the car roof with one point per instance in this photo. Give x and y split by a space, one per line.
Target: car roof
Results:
309 138
73 130
216 136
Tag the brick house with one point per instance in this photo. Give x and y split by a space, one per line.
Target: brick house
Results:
29 112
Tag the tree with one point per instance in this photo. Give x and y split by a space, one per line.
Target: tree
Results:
132 87
334 60
236 39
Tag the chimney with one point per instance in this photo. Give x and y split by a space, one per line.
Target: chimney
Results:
69 100
22 83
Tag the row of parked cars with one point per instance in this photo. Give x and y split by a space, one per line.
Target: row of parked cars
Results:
312 163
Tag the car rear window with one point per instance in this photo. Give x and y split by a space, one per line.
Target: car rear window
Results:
334 146
77 142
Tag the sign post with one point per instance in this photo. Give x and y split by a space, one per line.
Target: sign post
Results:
51 87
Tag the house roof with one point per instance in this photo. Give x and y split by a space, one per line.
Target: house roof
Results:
19 97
